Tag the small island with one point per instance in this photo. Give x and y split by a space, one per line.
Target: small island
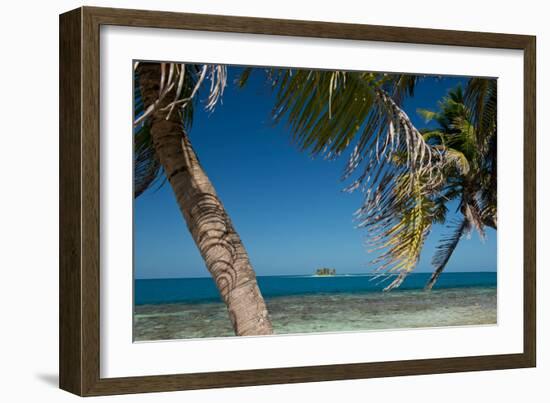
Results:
325 271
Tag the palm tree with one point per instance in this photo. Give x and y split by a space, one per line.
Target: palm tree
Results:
474 183
406 176
164 96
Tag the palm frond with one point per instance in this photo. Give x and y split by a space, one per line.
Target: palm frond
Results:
245 75
180 84
328 110
472 212
399 233
427 114
403 86
146 165
448 244
488 184
481 100
446 248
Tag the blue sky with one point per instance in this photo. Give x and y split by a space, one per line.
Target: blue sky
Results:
288 208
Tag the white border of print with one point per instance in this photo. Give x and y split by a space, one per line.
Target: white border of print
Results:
121 357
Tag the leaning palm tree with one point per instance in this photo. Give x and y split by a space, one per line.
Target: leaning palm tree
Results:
163 108
474 184
402 172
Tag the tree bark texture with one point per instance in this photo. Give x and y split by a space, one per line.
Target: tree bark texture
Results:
207 220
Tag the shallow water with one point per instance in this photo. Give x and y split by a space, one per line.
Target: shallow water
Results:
327 312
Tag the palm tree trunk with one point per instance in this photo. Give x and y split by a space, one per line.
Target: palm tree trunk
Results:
219 244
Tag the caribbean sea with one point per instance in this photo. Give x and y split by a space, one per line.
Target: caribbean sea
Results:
191 308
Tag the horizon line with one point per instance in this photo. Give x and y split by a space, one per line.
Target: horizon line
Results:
314 275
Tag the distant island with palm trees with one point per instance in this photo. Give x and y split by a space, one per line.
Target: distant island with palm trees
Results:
325 271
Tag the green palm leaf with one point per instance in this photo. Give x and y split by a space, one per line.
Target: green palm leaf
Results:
400 238
446 248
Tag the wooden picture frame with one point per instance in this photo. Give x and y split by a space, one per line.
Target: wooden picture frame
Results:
79 201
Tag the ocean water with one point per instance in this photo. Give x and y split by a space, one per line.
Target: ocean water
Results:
191 308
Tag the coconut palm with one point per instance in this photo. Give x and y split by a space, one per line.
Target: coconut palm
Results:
407 176
165 94
469 133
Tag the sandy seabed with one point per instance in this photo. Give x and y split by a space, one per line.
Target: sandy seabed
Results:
326 313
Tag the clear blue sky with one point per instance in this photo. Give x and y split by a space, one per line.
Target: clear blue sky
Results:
288 208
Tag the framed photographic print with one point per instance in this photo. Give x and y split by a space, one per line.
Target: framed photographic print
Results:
250 201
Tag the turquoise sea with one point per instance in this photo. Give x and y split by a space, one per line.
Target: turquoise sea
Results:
191 308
